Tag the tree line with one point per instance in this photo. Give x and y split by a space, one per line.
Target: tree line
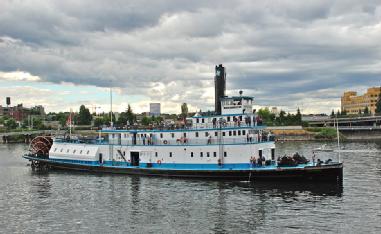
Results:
282 119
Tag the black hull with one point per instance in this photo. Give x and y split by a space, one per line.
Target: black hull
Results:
331 173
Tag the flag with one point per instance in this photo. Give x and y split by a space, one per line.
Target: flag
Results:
69 120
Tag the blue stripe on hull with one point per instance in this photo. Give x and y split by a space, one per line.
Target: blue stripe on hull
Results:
176 166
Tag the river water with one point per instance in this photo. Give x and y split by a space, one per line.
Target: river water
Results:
55 202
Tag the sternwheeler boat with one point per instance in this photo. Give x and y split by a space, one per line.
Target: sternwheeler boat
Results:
230 144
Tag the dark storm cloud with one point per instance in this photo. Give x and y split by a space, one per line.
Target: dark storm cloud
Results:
283 52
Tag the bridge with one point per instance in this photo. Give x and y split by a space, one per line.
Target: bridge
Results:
364 121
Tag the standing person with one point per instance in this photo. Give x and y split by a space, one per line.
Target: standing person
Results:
144 139
313 158
247 137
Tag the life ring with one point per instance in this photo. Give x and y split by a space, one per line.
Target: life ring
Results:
159 162
165 142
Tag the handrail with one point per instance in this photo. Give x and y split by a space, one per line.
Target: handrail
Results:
175 142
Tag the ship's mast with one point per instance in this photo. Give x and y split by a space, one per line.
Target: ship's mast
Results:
111 123
338 136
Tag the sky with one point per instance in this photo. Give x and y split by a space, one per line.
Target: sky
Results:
285 53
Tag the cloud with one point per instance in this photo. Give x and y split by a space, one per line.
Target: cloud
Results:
18 76
282 52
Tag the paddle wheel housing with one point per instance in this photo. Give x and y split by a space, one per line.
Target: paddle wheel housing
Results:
39 147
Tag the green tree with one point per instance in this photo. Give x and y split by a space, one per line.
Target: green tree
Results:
84 117
333 114
184 111
10 124
98 122
366 111
146 120
378 106
37 124
130 115
298 117
266 116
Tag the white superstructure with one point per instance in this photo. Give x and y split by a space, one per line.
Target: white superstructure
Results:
230 140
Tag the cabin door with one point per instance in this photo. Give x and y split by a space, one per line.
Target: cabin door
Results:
134 158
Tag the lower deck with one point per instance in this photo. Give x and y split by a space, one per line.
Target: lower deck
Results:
324 172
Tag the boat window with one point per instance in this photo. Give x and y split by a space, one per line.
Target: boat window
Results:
156 154
202 120
197 121
201 155
61 150
206 134
214 154
239 132
230 133
124 153
229 119
260 153
161 135
207 154
88 152
113 135
170 154
55 149
272 154
243 132
240 118
74 151
67 151
185 134
191 154
234 133
215 133
80 152
173 135
223 133
196 134
225 154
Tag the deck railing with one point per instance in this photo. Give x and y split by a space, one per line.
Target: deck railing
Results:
173 141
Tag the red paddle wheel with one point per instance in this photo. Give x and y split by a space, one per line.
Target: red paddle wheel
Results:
40 146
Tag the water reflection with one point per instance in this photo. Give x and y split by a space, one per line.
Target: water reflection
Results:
294 189
41 185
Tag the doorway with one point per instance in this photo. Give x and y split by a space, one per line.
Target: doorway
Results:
100 158
134 157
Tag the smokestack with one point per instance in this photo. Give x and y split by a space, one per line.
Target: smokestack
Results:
219 87
8 101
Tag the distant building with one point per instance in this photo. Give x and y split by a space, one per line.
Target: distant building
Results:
154 109
353 104
18 113
274 110
37 110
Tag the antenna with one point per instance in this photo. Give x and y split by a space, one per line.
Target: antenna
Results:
338 136
111 124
